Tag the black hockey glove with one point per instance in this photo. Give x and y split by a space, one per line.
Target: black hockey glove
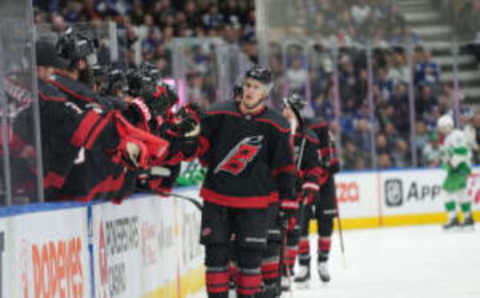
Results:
188 118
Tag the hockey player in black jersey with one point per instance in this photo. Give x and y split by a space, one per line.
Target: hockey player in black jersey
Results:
325 208
66 129
246 149
309 170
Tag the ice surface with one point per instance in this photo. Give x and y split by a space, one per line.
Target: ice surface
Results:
408 262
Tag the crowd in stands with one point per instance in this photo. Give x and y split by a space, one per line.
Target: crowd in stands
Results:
359 22
382 126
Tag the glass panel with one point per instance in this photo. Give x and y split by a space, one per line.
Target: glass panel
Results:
20 150
197 71
464 17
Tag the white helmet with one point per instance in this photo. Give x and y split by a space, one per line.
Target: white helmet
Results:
445 121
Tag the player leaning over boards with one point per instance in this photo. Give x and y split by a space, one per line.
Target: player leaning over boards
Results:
457 161
247 151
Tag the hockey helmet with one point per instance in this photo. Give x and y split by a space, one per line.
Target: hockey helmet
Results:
445 122
74 45
260 73
295 101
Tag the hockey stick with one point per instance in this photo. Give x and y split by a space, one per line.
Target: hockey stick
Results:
179 196
340 235
339 221
284 230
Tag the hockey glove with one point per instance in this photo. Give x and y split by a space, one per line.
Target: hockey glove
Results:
152 148
333 166
188 120
309 190
287 212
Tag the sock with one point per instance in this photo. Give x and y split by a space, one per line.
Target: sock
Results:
304 252
323 249
451 210
466 209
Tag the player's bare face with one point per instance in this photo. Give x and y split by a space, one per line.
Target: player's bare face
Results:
253 94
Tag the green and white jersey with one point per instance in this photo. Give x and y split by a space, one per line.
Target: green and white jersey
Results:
471 137
456 151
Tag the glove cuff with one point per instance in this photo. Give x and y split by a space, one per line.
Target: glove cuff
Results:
311 186
289 205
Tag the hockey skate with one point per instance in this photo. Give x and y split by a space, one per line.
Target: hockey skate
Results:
302 278
451 225
468 223
232 289
323 271
285 284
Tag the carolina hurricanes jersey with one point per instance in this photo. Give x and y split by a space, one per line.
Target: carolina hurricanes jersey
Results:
327 148
93 174
249 157
310 167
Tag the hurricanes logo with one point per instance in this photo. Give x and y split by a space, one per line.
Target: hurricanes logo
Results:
240 156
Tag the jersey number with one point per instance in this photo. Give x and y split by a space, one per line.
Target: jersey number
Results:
240 156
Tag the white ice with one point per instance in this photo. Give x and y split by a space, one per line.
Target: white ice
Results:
407 262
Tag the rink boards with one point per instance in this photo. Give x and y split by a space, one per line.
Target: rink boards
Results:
147 247
396 197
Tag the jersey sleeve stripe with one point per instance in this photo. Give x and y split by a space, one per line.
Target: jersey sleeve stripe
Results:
281 129
289 169
83 130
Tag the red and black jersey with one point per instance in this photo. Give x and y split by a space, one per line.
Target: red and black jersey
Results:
310 168
65 129
93 174
248 156
328 150
79 93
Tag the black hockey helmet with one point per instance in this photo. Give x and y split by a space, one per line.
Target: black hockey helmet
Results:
260 73
74 45
295 101
237 90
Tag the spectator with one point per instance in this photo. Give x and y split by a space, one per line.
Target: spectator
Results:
401 112
401 154
213 18
348 78
192 15
427 71
421 136
384 161
362 135
297 75
382 144
399 71
360 12
431 152
352 157
425 101
153 39
384 84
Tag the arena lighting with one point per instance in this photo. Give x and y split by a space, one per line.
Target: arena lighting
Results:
179 85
